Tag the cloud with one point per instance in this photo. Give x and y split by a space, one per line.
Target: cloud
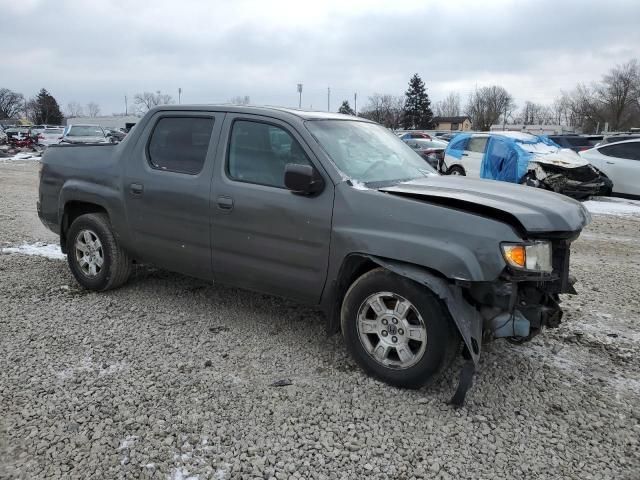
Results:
100 51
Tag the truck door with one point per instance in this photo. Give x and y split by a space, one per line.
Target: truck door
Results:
265 237
167 186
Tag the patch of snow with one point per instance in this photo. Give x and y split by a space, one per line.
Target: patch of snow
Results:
612 206
128 442
23 156
358 185
182 474
86 365
41 249
220 474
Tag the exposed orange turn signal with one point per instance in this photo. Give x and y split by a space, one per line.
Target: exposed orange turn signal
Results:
515 255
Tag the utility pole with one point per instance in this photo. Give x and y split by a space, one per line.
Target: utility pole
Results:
179 95
300 96
504 119
328 99
126 111
355 103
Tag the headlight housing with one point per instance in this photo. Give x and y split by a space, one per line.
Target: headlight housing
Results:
534 257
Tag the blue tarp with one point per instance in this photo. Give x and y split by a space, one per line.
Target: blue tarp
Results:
457 145
504 159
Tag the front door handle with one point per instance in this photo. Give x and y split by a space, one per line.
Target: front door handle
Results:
611 163
136 188
225 203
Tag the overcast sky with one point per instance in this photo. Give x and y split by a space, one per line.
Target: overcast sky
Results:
101 50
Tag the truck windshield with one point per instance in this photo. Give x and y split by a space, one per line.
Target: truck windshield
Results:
368 152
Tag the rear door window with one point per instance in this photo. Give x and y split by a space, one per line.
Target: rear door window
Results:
477 144
259 152
180 144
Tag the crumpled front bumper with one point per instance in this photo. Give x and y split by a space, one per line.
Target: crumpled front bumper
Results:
578 183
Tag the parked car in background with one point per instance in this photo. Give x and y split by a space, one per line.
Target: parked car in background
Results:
115 135
18 133
618 137
49 136
409 135
621 163
526 159
577 143
75 134
431 150
448 136
3 136
329 210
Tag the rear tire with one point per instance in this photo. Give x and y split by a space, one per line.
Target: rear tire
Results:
95 257
456 170
397 330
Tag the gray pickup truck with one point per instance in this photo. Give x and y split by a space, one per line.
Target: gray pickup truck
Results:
328 210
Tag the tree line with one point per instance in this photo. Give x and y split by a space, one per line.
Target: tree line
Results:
410 111
43 108
614 100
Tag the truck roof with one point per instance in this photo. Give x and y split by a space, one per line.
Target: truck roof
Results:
262 110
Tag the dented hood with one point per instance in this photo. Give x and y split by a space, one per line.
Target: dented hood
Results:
532 209
562 158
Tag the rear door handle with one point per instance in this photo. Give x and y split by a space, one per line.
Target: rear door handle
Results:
136 188
611 163
465 154
225 203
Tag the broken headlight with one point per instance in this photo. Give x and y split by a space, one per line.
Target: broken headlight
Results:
535 257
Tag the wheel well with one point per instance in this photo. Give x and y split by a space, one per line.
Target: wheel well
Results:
353 267
73 210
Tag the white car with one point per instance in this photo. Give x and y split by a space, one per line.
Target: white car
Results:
50 136
526 159
621 163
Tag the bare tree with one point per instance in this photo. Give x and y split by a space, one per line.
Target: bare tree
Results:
238 100
385 109
617 95
147 100
74 109
487 105
11 103
93 109
449 107
535 114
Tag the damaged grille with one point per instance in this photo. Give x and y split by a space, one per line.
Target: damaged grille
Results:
580 174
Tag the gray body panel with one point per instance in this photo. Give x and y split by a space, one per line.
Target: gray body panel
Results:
282 243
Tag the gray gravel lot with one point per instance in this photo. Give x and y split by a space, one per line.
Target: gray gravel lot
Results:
170 377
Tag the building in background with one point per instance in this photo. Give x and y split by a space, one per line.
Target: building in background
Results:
462 123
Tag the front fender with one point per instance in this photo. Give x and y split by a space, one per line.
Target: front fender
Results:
465 316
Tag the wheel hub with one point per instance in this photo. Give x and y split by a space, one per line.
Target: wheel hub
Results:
89 253
392 330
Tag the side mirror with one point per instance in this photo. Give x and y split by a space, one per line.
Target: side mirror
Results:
109 134
302 179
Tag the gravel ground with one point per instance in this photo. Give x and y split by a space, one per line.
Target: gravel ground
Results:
170 377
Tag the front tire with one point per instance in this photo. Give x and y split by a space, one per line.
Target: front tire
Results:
96 259
457 170
397 330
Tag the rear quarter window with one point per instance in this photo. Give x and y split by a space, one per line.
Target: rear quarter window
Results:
180 144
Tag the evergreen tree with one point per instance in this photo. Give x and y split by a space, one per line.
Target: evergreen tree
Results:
417 106
45 109
346 108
